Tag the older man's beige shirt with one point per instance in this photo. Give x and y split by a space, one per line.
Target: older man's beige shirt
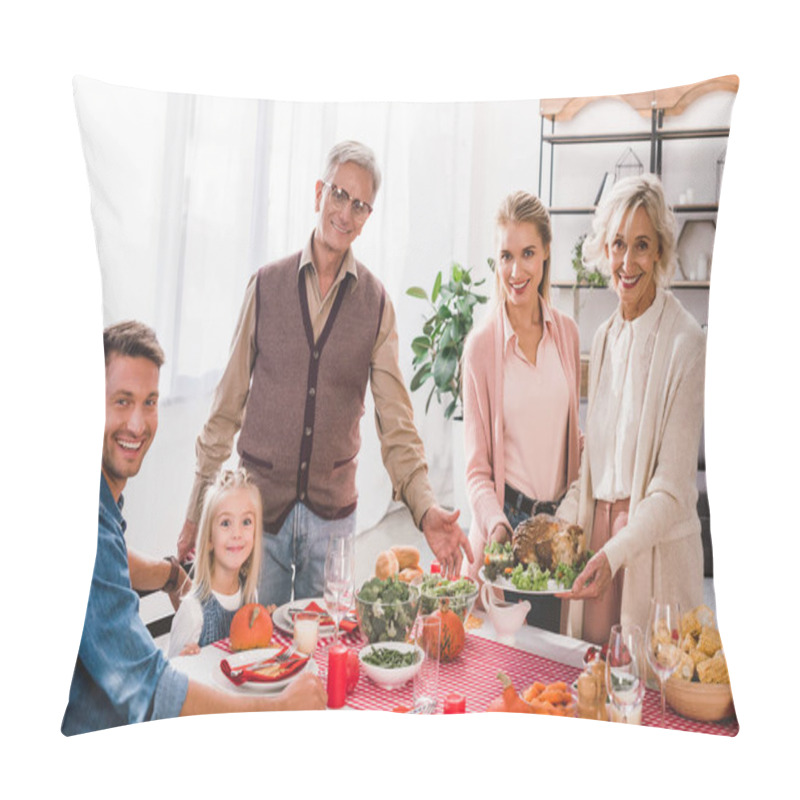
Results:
401 448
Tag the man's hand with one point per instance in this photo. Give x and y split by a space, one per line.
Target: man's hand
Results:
593 580
186 540
446 539
304 693
184 585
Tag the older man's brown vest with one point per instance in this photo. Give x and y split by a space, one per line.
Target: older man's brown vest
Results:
300 436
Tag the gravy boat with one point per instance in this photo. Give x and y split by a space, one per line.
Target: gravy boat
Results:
506 618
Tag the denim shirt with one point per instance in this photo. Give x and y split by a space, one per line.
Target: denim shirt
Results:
120 675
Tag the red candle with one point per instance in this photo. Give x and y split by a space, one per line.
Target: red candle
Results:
455 703
337 675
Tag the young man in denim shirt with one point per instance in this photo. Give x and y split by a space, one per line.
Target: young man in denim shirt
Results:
120 675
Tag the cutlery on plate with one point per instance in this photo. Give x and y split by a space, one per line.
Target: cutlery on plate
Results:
278 659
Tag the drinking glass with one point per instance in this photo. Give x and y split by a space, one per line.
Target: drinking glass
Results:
626 670
306 631
339 578
663 643
426 633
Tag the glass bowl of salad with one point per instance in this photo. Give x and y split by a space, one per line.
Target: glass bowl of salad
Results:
391 664
387 609
459 594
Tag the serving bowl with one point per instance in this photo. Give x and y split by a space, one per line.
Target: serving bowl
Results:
387 609
459 594
391 677
704 702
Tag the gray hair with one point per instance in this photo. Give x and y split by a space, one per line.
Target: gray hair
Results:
629 194
357 153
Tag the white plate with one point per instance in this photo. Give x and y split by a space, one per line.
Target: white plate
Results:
249 657
553 587
282 616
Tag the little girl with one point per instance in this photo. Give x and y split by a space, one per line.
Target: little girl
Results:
227 564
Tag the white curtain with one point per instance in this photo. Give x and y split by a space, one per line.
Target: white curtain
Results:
192 194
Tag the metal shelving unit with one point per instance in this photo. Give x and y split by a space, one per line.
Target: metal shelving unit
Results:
655 105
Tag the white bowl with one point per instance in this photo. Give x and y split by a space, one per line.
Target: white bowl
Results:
386 677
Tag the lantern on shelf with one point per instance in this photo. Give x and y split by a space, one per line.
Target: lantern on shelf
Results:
627 166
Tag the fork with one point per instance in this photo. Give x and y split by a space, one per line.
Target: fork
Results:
278 659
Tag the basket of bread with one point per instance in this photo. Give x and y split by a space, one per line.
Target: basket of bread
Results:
700 688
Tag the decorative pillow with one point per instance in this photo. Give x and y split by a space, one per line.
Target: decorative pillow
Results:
191 194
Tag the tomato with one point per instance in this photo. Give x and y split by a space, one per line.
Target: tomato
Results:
353 669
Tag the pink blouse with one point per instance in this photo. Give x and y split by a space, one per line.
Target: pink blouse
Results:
536 402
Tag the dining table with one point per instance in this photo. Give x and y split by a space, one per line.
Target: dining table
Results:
533 655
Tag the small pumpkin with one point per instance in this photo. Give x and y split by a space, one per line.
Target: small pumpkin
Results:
509 701
452 639
251 627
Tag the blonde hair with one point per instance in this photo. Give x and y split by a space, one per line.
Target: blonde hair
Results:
227 481
628 195
519 207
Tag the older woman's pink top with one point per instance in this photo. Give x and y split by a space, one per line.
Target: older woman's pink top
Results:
535 415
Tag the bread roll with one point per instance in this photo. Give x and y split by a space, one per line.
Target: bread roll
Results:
709 641
713 670
409 573
407 557
386 565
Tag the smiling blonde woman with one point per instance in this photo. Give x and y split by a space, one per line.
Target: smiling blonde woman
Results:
521 385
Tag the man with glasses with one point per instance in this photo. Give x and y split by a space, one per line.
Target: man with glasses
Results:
315 327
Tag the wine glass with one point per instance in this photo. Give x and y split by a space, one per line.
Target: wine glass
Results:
662 643
626 669
339 578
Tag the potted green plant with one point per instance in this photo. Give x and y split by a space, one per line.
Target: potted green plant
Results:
438 350
583 276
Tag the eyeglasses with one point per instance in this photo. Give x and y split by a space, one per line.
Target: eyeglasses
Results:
360 209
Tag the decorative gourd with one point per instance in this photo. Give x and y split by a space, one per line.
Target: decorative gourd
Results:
251 627
453 636
509 700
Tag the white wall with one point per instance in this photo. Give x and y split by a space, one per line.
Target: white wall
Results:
490 149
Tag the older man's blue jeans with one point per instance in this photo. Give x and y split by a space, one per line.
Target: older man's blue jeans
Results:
293 564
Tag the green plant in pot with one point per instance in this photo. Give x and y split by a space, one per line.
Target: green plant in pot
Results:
583 276
437 351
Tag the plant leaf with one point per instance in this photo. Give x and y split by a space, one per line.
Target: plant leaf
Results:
420 377
430 397
444 369
421 345
417 291
437 285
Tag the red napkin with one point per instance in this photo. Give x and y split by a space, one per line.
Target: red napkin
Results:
346 625
271 672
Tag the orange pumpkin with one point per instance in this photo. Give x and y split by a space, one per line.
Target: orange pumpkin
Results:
251 627
452 639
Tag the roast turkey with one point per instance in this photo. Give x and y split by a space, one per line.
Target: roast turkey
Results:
548 541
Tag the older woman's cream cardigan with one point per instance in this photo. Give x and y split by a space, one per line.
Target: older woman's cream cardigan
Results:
660 547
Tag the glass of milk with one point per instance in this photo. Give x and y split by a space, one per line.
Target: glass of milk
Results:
306 631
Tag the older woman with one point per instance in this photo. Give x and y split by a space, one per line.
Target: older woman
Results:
636 496
521 384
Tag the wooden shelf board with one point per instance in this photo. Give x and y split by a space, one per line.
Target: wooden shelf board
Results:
672 101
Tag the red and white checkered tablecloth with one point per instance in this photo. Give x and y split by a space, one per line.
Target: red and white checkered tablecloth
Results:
474 674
